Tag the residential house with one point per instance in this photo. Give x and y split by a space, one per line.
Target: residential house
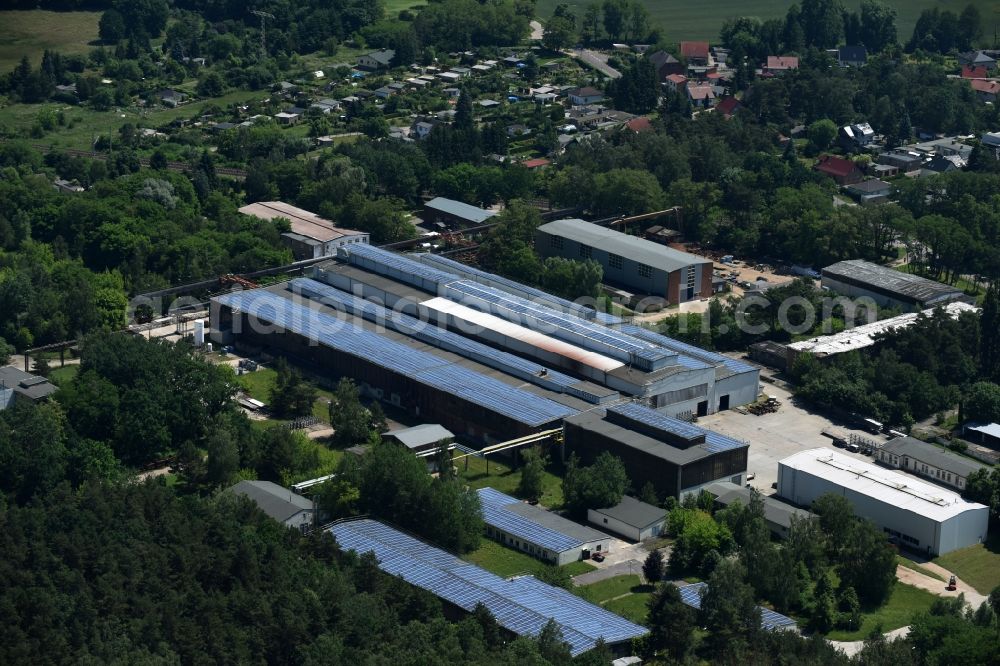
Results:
852 56
728 106
941 164
695 53
17 385
870 191
665 64
904 160
701 95
585 95
535 163
452 93
170 97
449 77
326 105
377 60
974 72
279 503
639 125
844 172
385 92
856 136
780 64
286 118
977 59
676 83
422 129
986 90
463 72
513 61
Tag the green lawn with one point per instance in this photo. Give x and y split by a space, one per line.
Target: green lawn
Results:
609 588
504 479
506 562
393 7
31 32
979 566
633 607
60 376
685 20
910 564
260 383
905 601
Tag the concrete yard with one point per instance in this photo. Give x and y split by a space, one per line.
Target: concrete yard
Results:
776 436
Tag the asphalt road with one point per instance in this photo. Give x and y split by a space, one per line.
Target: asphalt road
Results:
596 61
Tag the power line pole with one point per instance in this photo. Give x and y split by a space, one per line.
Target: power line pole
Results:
263 35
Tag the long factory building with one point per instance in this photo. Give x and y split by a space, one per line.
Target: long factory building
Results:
488 358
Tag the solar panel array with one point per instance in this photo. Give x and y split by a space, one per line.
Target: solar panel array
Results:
445 339
714 358
420 366
561 325
517 288
496 513
396 266
714 442
769 619
522 605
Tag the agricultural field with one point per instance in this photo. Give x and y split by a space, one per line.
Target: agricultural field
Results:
682 19
31 32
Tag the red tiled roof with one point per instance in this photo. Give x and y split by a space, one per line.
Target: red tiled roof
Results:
535 163
727 106
835 166
677 78
701 92
694 49
639 125
782 62
984 86
970 72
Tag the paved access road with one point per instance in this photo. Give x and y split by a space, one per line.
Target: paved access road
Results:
597 61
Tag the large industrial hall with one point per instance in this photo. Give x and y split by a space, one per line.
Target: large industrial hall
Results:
486 357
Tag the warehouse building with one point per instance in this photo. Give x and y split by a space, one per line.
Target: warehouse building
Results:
937 464
310 236
537 532
923 517
629 262
858 337
777 514
448 213
887 287
484 357
677 457
568 337
522 605
770 620
281 504
631 518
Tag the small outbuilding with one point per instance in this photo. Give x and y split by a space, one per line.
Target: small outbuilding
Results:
630 518
279 503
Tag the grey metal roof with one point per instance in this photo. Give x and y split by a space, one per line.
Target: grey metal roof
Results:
22 383
775 511
277 502
634 513
459 209
631 247
932 455
532 524
594 421
421 435
891 282
870 186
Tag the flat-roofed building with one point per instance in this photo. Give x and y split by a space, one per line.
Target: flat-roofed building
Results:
310 236
537 532
887 287
921 516
777 514
923 459
629 261
677 457
631 518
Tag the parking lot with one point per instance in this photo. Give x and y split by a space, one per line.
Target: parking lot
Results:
775 436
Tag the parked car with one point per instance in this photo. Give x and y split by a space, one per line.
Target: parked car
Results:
597 557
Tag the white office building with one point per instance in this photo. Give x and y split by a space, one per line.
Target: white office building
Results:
922 516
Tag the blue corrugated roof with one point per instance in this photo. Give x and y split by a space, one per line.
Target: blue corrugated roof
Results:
395 266
496 512
522 605
714 358
714 442
421 366
769 619
427 332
